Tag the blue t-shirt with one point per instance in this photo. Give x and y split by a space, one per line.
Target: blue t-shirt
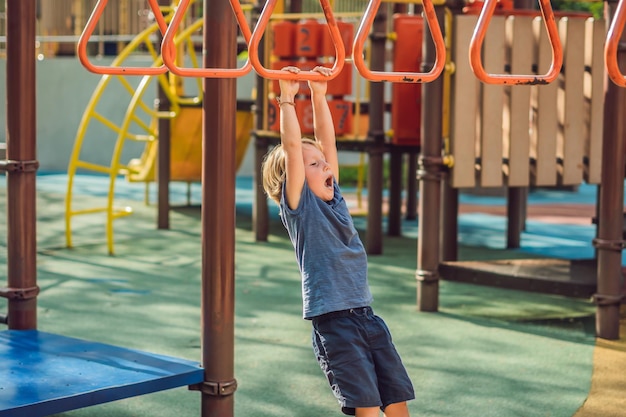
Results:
331 256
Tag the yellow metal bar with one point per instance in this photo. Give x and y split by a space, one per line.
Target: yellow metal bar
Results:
119 211
129 88
88 211
126 211
298 16
447 74
142 138
108 123
93 167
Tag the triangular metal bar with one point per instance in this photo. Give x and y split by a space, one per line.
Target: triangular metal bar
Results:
478 37
98 69
399 77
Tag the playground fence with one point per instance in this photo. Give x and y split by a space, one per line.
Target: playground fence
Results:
539 135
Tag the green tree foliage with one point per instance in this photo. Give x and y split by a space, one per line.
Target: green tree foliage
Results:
595 8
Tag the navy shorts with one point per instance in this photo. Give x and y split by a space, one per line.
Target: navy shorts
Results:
355 351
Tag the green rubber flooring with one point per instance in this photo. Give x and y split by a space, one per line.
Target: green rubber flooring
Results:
487 352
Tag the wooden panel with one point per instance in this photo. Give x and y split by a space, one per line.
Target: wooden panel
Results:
55 17
519 31
595 34
564 115
571 136
492 104
543 138
464 106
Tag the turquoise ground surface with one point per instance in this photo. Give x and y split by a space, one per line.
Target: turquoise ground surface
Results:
566 241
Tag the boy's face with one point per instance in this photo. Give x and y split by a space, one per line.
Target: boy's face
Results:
317 172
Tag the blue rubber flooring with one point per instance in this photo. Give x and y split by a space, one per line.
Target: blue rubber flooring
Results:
54 373
563 241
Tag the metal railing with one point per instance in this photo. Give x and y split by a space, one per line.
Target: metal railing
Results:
60 23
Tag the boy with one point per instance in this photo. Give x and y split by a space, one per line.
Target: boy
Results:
352 345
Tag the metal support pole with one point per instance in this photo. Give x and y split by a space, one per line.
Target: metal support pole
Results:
218 213
394 218
374 238
429 176
163 158
260 211
21 166
610 243
411 186
163 164
517 198
449 241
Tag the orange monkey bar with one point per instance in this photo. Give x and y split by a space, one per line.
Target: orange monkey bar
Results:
612 43
88 31
168 49
478 36
257 34
399 77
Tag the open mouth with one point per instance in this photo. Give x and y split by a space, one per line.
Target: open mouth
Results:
329 182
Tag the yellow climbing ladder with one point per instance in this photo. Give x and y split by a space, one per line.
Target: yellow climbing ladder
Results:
139 124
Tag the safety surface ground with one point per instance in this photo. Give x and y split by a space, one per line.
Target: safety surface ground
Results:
487 352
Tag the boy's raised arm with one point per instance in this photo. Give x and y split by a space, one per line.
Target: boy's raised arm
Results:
323 122
291 139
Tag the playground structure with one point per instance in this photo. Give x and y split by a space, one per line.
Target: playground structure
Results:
140 121
217 383
534 127
180 105
298 39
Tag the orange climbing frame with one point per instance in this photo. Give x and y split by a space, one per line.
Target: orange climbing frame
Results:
478 36
168 49
399 77
98 69
257 34
612 43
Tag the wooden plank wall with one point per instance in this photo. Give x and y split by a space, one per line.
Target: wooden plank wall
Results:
542 135
518 31
464 98
492 104
594 93
570 137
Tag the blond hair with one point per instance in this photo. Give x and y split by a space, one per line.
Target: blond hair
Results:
273 169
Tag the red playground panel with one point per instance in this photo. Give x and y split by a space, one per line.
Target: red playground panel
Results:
406 102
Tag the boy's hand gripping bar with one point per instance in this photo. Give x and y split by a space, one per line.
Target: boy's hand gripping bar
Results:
478 36
399 77
257 34
168 48
88 31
